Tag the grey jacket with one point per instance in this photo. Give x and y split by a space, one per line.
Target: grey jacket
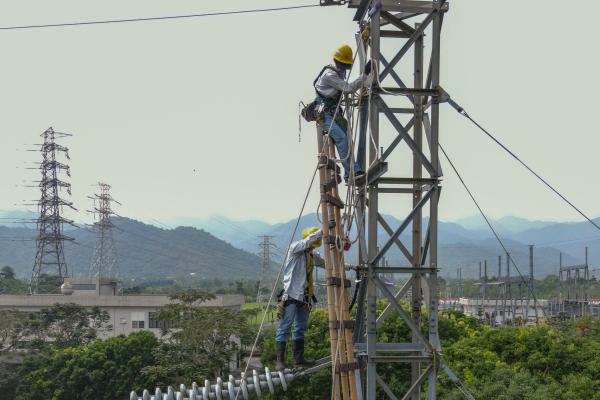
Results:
294 272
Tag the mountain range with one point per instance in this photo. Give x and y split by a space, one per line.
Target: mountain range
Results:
462 243
218 246
142 250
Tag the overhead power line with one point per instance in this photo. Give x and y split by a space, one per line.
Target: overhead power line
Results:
462 112
489 224
158 18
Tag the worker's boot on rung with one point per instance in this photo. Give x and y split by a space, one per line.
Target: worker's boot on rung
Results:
280 350
298 350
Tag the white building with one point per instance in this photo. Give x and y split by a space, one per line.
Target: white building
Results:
129 313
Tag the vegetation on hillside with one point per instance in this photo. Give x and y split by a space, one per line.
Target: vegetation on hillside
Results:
143 250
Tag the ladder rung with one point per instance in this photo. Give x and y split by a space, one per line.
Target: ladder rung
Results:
328 163
345 367
332 183
347 324
336 281
333 200
330 240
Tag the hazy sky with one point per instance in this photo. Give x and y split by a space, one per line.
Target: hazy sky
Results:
199 116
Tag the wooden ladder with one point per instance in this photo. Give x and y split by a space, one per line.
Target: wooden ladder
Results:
344 364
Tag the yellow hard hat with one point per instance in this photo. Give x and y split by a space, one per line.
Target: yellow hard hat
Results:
343 54
307 231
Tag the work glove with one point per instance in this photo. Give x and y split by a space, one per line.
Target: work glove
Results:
368 68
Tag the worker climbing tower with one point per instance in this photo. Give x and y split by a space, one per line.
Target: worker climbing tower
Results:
402 162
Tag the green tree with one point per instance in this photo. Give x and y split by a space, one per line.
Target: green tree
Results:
66 325
9 284
7 272
198 342
12 328
49 284
106 369
12 325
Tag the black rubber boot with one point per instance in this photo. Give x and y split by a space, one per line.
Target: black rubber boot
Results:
298 350
280 349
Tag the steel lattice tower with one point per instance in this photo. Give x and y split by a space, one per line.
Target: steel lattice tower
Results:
104 260
393 33
265 253
50 240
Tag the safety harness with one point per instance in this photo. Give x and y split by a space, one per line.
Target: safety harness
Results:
314 110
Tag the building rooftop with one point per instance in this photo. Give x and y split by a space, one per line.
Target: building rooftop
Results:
45 300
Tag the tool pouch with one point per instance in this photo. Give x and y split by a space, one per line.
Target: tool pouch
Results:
280 304
310 112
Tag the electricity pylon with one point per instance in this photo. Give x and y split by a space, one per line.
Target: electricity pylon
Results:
50 240
266 247
104 260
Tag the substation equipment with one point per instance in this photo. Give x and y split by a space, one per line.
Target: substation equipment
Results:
574 285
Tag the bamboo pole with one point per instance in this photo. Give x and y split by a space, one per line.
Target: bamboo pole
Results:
345 305
331 295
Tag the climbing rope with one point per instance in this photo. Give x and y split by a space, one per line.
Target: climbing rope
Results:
265 313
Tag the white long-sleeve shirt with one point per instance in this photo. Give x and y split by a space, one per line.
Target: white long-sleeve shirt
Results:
332 82
294 273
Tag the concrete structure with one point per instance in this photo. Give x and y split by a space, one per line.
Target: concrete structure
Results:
127 313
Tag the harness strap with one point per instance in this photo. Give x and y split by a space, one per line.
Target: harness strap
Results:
325 68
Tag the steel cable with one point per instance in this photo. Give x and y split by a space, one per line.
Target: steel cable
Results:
462 112
159 18
529 288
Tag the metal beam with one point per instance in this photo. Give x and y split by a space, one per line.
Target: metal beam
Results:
386 388
403 26
391 347
417 384
396 140
405 270
403 290
398 242
396 78
405 135
384 289
418 32
401 228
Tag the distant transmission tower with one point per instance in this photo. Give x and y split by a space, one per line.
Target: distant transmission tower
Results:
265 252
50 255
104 260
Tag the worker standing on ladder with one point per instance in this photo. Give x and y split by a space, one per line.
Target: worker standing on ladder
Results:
330 86
297 297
